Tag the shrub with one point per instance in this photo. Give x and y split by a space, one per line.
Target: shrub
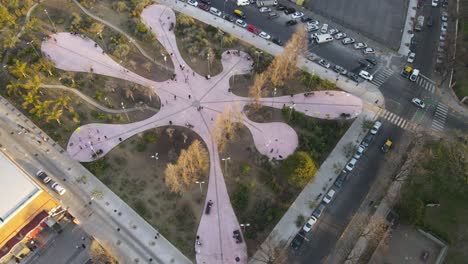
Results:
141 208
245 169
140 147
240 197
300 220
299 169
149 137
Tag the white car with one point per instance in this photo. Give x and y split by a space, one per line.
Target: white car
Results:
264 9
313 23
435 3
192 2
418 102
369 51
264 35
411 57
444 17
297 15
351 164
324 63
324 29
333 31
310 223
340 35
329 197
347 41
58 189
215 11
312 27
366 75
241 23
444 26
359 152
360 45
376 127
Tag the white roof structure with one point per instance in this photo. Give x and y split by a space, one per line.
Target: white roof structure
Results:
16 189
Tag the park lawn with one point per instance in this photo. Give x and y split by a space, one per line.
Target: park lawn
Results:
440 176
461 65
130 172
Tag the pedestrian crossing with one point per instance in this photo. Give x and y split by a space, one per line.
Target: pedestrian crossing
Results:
440 115
426 83
396 120
381 76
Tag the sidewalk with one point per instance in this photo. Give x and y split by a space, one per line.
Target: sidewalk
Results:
365 90
286 228
409 24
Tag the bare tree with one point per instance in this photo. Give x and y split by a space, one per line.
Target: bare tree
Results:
99 255
270 253
226 124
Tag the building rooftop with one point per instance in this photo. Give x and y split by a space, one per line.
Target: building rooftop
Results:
16 189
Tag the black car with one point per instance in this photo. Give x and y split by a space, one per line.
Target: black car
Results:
318 211
413 45
291 22
372 60
298 240
445 3
277 41
306 19
280 7
338 69
229 18
430 21
353 76
208 2
339 181
367 140
365 63
289 11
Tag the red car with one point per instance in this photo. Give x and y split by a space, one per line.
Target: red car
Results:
253 29
203 6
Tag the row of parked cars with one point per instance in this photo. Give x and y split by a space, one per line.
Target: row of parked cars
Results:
367 63
339 182
44 178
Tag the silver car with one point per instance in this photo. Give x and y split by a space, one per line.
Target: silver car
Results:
347 41
324 29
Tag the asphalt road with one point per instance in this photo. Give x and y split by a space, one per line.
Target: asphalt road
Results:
327 231
381 20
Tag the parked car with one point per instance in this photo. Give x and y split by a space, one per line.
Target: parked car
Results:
203 6
264 35
333 31
340 35
445 3
306 19
229 18
347 41
253 29
351 164
367 140
215 11
366 75
192 3
324 29
369 51
324 63
329 196
386 146
296 15
298 240
318 211
310 223
43 176
435 3
241 23
359 152
312 28
444 16
273 15
340 181
376 127
264 9
206 2
313 23
291 22
353 76
411 57
58 188
289 11
360 45
372 60
277 41
443 27
338 69
280 7
418 102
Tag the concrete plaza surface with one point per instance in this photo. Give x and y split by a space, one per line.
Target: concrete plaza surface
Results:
193 101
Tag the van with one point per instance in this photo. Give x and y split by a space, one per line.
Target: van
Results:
215 11
323 38
242 2
238 13
414 75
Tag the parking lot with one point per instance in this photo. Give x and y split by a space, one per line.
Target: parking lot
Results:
381 20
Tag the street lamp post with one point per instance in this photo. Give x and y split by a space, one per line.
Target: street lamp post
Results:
244 226
225 163
258 57
52 22
200 182
209 71
123 108
165 60
274 95
290 111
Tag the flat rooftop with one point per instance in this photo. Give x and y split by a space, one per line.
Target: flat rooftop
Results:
16 189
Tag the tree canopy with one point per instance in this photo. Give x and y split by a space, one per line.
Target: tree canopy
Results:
299 169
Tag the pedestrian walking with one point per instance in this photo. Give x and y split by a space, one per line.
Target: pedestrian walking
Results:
105 137
189 96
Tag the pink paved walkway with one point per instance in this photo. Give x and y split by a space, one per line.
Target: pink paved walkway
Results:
181 101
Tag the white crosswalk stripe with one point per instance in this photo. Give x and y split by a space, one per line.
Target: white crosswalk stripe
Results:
440 115
396 120
381 76
426 83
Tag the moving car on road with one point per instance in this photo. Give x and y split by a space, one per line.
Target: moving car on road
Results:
239 13
418 102
43 176
386 147
364 74
310 223
347 41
